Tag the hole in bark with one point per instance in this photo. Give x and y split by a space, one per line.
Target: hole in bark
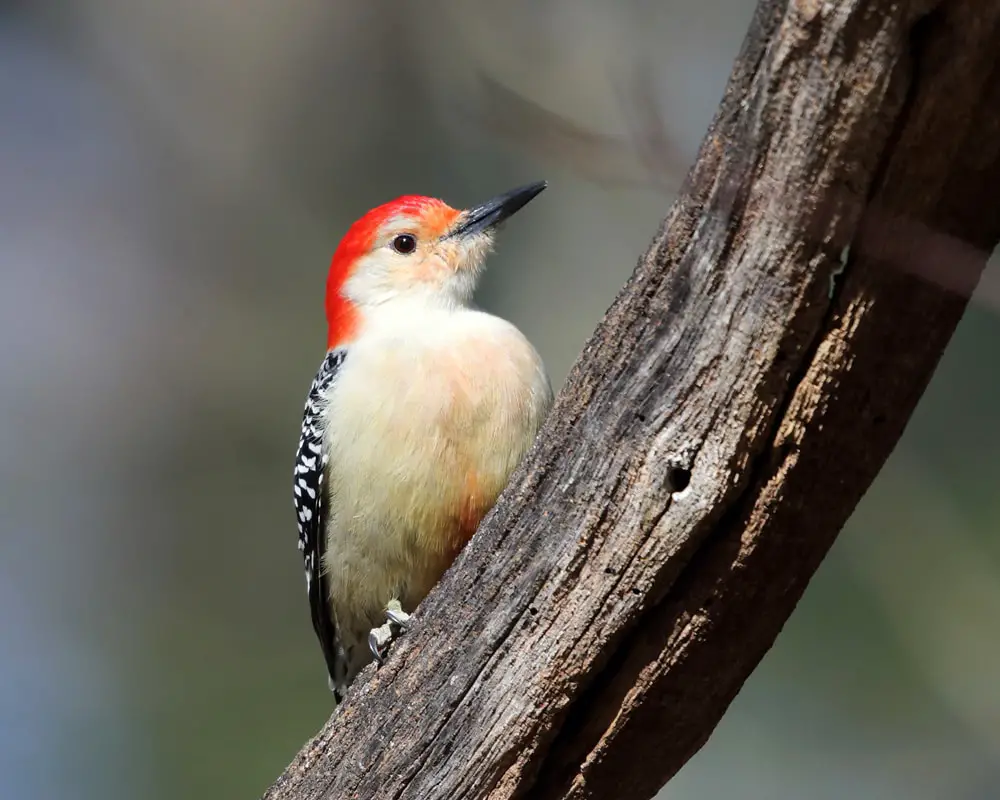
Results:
783 451
532 610
678 479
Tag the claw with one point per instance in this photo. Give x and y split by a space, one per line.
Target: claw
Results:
396 615
379 639
378 642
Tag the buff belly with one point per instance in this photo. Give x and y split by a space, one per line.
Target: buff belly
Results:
411 475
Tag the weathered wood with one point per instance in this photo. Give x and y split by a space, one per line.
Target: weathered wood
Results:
766 356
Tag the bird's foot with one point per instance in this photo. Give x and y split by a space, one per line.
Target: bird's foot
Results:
395 614
379 639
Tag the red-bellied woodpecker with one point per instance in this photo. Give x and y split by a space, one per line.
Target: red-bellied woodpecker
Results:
420 411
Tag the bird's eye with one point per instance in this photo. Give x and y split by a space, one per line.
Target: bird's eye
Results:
405 244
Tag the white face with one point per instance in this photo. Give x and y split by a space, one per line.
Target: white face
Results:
414 258
415 249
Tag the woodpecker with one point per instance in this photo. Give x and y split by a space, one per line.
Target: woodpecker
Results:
422 407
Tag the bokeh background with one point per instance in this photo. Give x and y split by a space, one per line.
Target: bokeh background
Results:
174 177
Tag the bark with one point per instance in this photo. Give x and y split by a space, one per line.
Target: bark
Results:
719 428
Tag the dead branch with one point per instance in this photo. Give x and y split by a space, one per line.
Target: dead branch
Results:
719 428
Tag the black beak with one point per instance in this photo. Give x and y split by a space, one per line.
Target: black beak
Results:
495 211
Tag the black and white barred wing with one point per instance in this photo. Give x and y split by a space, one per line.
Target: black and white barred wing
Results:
310 475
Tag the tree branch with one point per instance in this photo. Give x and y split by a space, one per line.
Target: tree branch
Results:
766 355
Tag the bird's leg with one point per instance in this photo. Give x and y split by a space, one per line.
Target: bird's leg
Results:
379 639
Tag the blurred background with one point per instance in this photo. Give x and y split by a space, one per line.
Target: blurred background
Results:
173 180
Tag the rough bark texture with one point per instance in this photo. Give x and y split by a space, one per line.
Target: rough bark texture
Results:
766 355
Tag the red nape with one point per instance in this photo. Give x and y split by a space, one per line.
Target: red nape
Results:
341 316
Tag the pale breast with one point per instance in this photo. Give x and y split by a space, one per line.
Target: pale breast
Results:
431 419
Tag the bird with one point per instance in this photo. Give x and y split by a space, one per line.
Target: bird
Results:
422 407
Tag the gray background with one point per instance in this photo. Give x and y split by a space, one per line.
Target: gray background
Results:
173 180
